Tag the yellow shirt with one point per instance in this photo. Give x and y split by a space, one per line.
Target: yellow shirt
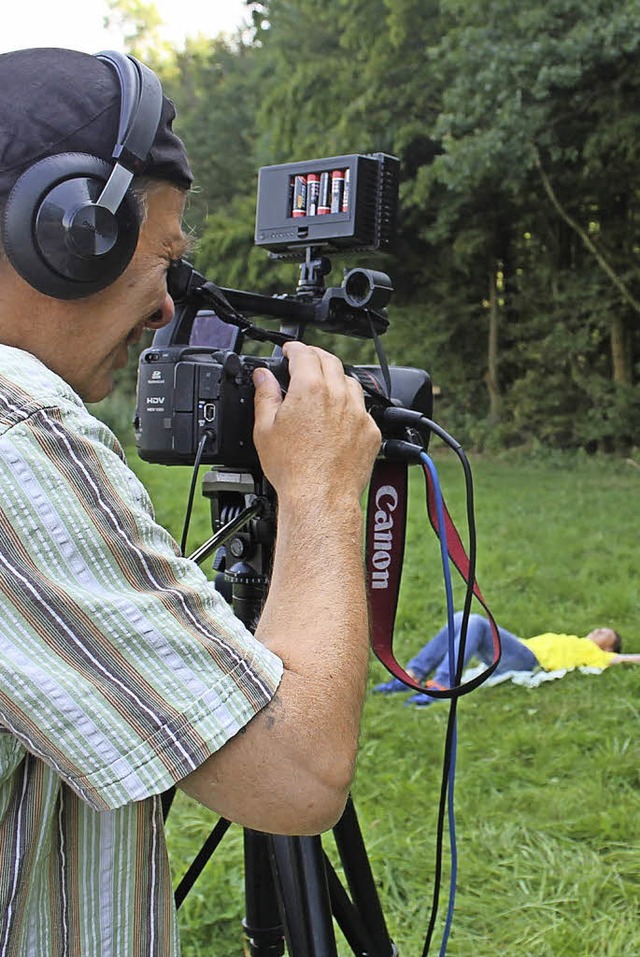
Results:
567 651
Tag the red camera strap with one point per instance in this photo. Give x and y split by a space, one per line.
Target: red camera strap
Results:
384 553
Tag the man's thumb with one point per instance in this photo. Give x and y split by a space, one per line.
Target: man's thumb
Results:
268 397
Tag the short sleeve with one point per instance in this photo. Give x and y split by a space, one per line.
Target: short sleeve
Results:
120 664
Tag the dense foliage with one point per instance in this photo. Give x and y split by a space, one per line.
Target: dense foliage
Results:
516 262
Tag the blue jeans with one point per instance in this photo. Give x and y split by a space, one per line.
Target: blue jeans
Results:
434 657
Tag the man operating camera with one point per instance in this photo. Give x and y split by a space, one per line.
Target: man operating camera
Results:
122 671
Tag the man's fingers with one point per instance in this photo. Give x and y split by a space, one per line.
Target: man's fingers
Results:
309 362
355 388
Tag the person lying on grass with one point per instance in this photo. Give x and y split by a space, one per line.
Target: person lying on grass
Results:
550 652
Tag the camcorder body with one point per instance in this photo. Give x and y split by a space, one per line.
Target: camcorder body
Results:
195 394
191 394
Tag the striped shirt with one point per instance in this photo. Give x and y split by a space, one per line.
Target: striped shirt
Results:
121 670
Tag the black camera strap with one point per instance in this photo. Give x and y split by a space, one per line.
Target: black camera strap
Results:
384 554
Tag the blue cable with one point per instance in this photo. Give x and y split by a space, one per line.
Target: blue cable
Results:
444 553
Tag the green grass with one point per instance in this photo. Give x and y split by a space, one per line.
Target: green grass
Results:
548 779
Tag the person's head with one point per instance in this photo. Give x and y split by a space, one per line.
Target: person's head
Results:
607 639
83 268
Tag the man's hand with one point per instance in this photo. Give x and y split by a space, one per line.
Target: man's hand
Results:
319 439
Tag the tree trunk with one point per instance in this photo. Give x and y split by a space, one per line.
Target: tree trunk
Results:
620 352
493 384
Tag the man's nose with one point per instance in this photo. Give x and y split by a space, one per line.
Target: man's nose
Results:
163 316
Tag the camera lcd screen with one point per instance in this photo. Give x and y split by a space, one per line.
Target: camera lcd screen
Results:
211 332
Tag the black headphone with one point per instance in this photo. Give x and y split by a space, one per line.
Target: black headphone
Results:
71 222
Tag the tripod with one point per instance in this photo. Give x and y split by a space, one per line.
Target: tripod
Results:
292 891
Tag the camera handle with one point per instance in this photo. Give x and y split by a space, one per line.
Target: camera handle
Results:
292 891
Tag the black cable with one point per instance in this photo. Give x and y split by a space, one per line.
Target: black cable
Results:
451 721
192 490
471 530
382 358
442 810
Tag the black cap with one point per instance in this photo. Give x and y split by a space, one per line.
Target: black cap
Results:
62 101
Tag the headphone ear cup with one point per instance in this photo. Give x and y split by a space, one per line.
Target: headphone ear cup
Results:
57 237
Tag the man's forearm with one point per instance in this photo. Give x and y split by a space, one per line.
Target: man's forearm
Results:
291 769
315 617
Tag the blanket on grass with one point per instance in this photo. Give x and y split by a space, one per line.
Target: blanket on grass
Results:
527 679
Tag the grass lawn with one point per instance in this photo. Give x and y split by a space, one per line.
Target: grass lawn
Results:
547 790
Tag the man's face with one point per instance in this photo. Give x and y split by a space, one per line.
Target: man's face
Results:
106 324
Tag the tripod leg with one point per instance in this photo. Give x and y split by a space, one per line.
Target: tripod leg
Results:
287 897
263 924
298 866
355 862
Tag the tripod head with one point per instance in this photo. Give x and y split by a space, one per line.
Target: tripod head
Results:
243 519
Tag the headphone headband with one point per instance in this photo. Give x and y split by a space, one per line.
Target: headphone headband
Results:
140 110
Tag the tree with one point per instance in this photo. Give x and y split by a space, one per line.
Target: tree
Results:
139 22
516 127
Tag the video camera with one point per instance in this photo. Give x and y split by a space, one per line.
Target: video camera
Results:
195 389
